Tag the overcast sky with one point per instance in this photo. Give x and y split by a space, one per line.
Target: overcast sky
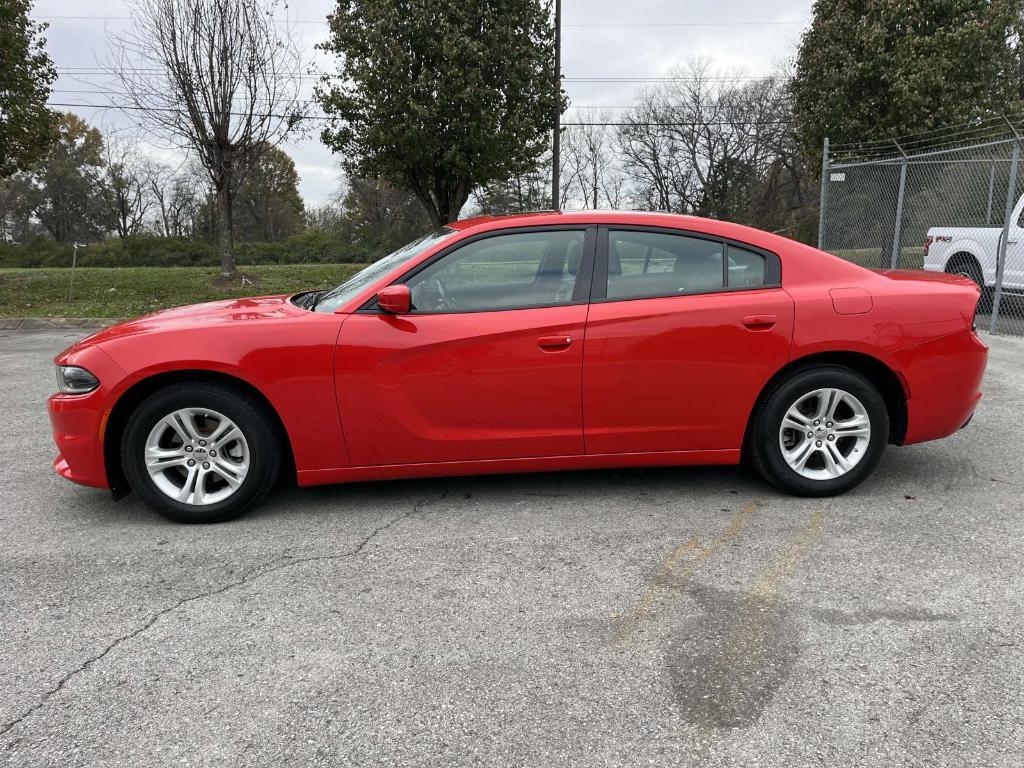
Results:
600 39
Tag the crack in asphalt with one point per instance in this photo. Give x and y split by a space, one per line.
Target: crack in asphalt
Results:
282 561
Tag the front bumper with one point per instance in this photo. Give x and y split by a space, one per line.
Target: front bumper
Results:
78 421
76 431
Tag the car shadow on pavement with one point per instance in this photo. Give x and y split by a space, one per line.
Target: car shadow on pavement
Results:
578 485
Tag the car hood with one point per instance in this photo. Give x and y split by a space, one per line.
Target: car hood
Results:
210 313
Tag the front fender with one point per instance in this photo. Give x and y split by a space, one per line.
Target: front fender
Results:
289 362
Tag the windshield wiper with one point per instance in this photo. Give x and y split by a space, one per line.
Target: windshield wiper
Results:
310 300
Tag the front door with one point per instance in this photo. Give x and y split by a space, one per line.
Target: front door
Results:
1013 271
487 365
683 333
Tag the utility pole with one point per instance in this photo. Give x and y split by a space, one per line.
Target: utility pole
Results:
556 139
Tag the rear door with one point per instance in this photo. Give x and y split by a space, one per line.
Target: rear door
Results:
488 365
683 332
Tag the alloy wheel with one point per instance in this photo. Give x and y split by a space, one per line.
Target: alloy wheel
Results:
825 434
197 456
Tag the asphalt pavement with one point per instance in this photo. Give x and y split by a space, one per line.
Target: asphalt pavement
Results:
641 617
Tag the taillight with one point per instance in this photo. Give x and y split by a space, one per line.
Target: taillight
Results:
927 243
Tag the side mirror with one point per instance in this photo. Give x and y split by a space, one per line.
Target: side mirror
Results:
395 298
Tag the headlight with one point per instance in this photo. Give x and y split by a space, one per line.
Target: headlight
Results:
72 380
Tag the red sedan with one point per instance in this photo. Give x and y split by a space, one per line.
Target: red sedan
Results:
522 344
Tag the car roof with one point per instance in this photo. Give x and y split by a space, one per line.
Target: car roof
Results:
570 217
696 224
802 262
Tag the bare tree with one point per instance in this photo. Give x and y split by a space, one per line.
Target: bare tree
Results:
715 144
529 190
728 134
177 198
217 77
125 186
650 157
592 173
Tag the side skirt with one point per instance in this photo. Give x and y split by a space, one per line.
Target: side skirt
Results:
511 466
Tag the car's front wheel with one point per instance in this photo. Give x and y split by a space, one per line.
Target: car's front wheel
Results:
200 452
819 431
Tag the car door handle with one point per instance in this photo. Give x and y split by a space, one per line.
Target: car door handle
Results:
759 322
554 343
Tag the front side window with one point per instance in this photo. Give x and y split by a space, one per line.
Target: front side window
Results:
511 271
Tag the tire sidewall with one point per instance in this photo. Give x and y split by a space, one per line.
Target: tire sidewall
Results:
248 419
972 270
769 423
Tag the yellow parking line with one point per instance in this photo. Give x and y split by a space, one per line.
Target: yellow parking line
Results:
681 563
743 649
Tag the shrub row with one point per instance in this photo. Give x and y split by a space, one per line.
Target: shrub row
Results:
305 248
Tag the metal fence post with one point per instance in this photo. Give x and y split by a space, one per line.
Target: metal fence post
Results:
1011 201
824 195
894 262
991 192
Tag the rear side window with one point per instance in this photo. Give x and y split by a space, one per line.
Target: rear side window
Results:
746 268
650 264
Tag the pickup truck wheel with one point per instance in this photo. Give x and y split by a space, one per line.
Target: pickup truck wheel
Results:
968 267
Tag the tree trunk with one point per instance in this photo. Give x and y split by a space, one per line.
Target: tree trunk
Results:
225 231
448 203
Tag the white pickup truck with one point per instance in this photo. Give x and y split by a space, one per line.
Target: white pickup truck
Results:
972 251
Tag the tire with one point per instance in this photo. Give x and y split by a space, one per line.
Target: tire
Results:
164 434
968 267
771 434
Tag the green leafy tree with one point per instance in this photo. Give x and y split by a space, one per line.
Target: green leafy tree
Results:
17 197
269 204
26 73
875 69
67 189
440 96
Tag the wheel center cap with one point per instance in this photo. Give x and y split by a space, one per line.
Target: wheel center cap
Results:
820 432
199 454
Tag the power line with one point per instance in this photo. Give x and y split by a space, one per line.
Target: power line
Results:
587 25
687 124
77 71
678 124
668 79
571 107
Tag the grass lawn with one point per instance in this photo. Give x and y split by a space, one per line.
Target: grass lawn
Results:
130 291
122 292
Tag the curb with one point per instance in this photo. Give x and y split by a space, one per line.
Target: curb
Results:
51 323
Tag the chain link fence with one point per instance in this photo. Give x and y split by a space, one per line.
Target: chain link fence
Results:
947 201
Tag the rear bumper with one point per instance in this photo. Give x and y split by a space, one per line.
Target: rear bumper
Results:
943 379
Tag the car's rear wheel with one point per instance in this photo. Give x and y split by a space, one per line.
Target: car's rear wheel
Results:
819 431
200 452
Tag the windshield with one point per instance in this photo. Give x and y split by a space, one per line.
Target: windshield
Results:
331 300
